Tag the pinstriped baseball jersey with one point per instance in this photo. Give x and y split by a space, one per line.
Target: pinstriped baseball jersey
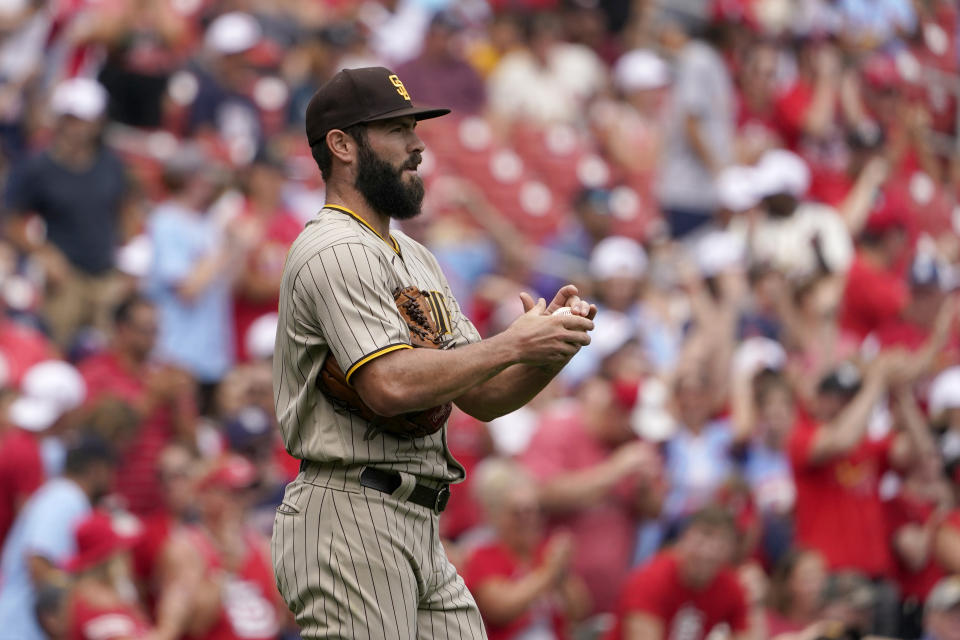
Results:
336 296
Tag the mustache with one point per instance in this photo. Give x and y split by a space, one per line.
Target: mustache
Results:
413 162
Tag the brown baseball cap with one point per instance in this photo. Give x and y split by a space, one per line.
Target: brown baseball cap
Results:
360 95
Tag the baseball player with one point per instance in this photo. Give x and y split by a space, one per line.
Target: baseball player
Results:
355 546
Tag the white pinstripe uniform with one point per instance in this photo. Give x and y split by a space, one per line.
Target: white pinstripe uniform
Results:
351 561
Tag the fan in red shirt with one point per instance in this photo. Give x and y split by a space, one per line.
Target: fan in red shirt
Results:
913 517
797 588
50 392
161 396
756 106
946 546
175 473
258 287
597 480
811 116
98 607
682 593
837 468
876 292
236 597
912 328
22 347
521 581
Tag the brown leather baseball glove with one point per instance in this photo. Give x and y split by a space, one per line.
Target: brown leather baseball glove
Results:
415 309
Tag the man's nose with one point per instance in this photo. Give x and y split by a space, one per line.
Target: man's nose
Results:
416 144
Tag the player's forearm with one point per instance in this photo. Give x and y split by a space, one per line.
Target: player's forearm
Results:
416 379
506 392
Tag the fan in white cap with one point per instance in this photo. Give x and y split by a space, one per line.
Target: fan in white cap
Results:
261 337
79 97
49 390
618 256
640 70
233 33
780 171
737 189
945 391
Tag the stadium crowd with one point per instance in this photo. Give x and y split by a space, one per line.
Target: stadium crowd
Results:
762 196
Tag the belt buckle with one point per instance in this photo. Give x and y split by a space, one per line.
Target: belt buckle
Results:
443 497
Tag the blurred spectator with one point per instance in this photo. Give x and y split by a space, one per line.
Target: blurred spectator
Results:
547 81
252 433
258 283
143 43
591 222
227 564
161 398
521 580
876 293
756 102
798 238
51 612
912 327
176 469
597 481
797 590
877 23
79 189
100 605
41 539
942 618
689 589
837 468
944 408
194 264
698 135
440 75
947 543
850 605
617 267
913 517
629 130
396 28
21 347
698 456
502 35
26 28
763 413
51 391
222 105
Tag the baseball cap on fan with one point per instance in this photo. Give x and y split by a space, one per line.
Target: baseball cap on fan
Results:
360 95
79 97
49 390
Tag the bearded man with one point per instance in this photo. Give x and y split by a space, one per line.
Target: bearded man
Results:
355 545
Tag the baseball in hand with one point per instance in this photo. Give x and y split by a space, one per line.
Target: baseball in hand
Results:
562 311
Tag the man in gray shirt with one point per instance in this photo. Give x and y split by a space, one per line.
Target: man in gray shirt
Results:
700 125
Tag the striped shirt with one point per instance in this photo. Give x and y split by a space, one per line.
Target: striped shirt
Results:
336 297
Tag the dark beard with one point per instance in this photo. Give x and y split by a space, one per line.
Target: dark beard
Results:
383 188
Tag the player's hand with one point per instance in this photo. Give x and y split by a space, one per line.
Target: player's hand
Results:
538 339
567 296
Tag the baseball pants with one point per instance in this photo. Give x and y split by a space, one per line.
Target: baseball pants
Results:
353 562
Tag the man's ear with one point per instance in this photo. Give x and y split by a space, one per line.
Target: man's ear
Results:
342 146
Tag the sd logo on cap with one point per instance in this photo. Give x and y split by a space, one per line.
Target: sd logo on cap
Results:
360 95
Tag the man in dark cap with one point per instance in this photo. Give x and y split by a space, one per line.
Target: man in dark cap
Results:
355 545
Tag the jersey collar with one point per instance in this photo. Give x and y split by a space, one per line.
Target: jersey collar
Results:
393 242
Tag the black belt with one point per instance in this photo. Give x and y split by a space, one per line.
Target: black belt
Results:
389 481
